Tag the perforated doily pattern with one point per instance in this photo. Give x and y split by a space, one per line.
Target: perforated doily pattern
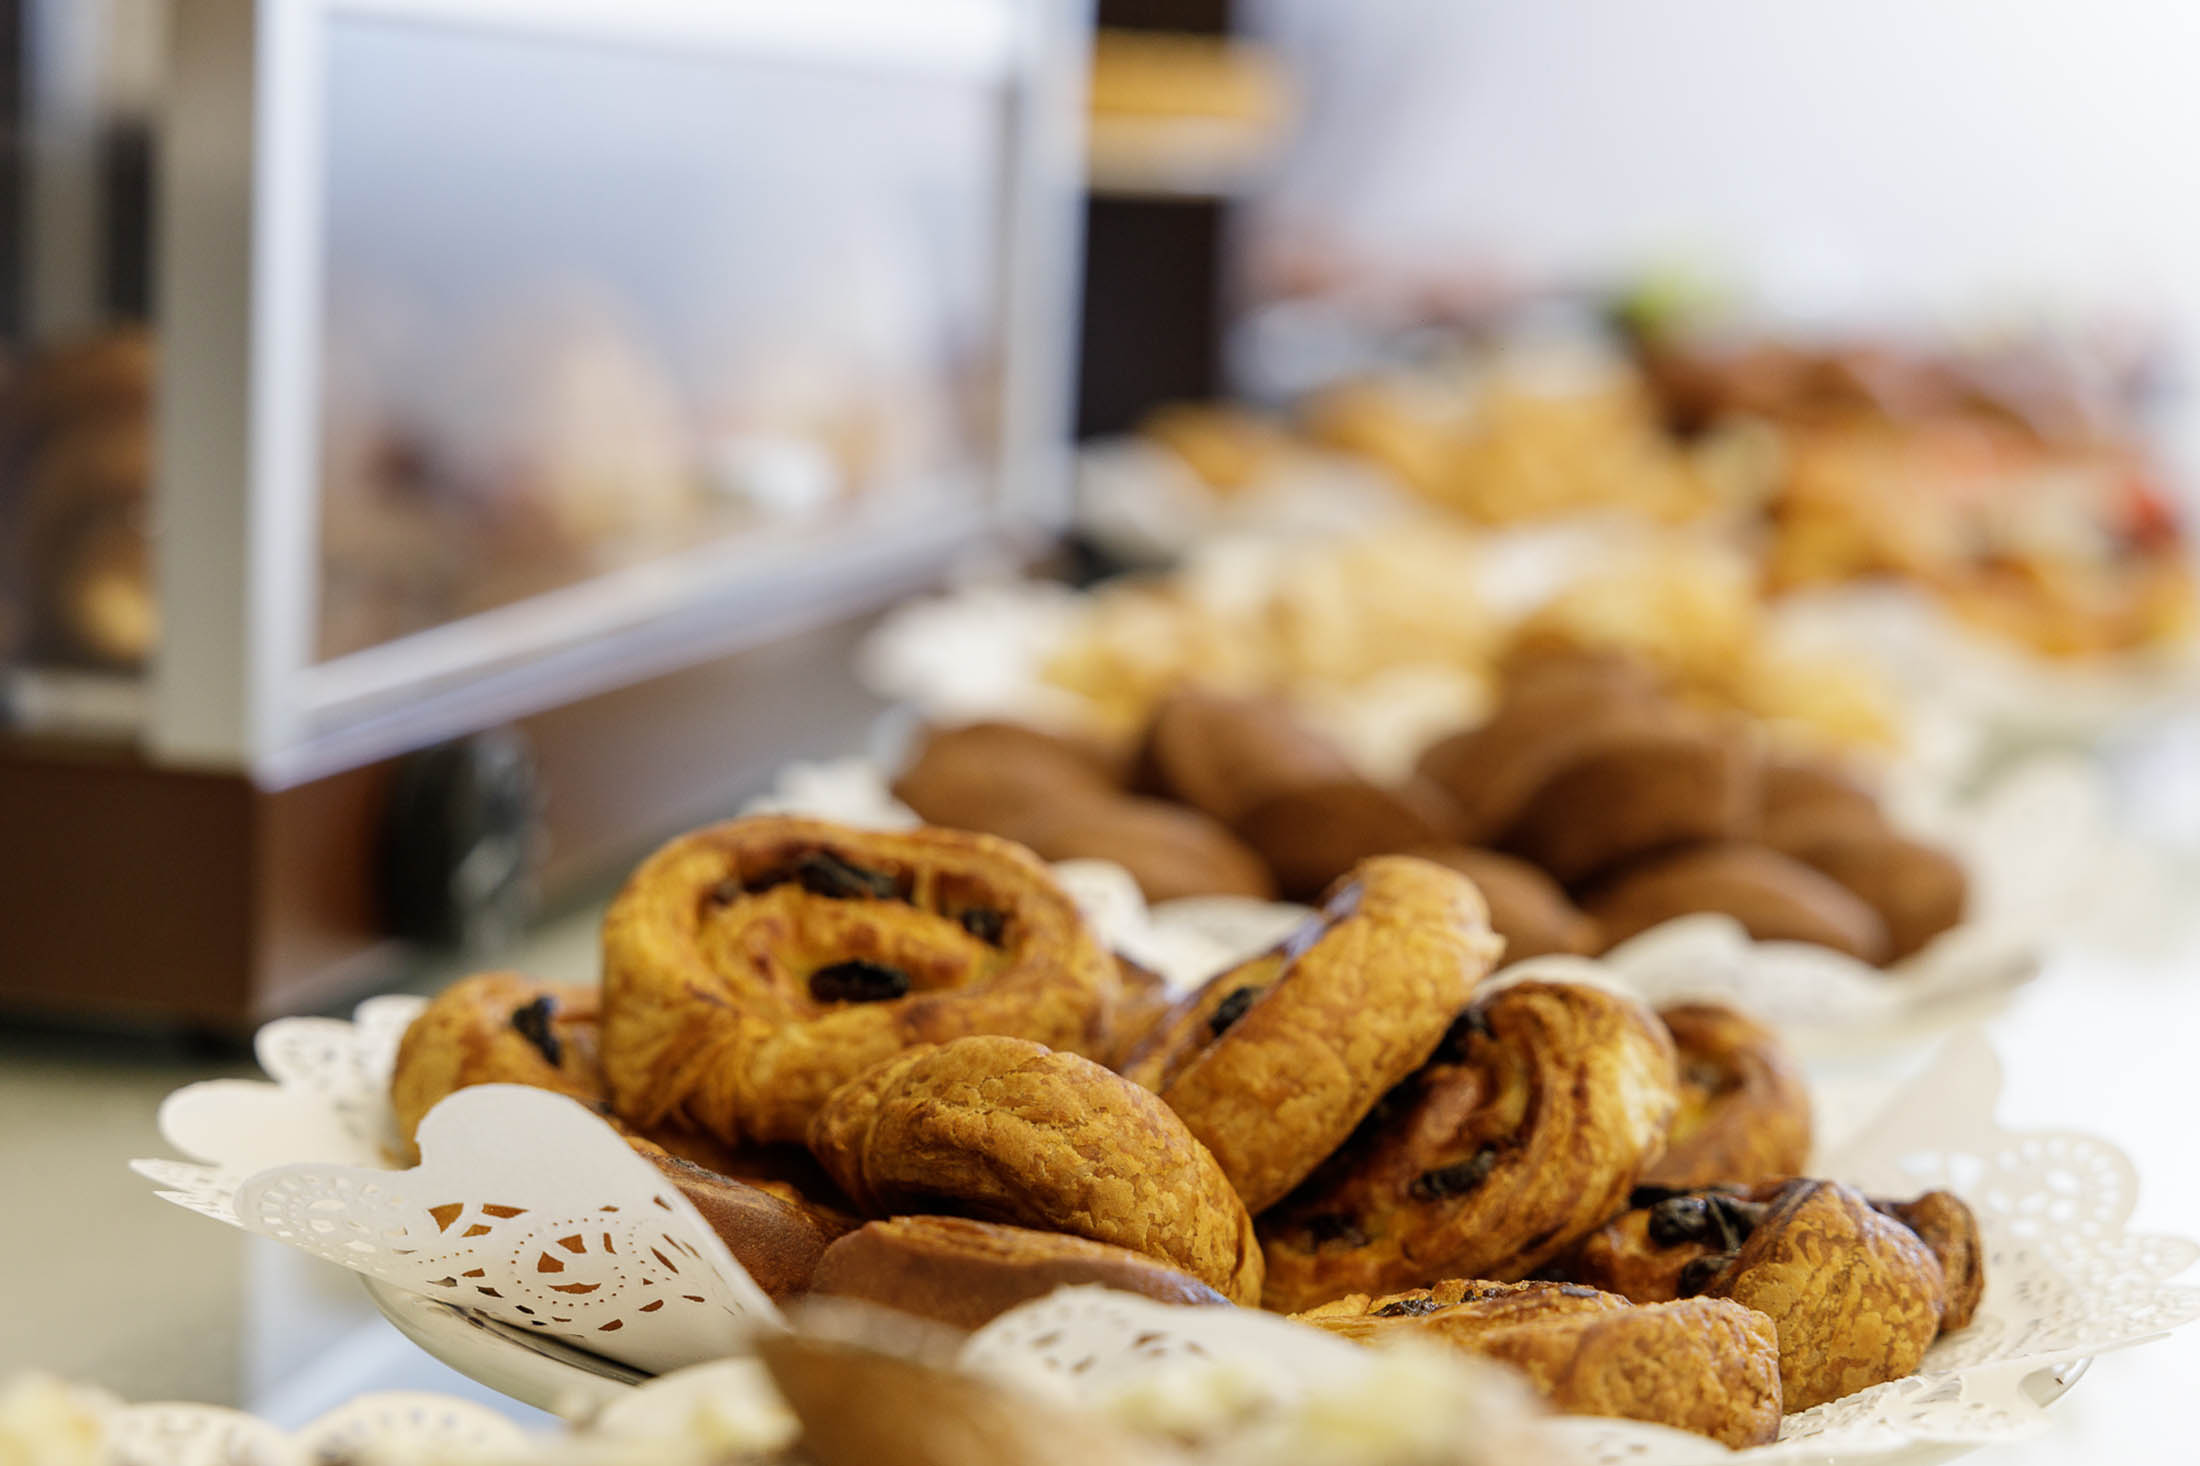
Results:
398 1425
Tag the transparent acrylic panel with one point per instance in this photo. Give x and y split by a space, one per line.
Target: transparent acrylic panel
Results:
589 305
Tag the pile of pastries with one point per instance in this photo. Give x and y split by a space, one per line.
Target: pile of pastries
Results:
900 1067
2024 502
1594 803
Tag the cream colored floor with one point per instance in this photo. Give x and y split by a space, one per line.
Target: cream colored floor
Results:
105 1283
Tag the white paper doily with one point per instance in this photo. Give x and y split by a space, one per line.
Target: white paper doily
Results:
521 1196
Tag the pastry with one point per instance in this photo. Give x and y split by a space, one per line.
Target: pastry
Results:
960 1272
1773 897
1744 1114
1492 771
1169 850
1310 836
1704 1365
752 967
1225 755
974 776
1855 1294
1273 1062
1527 908
1632 790
1804 802
1525 1129
1917 891
1007 1130
504 1028
1947 1227
1061 799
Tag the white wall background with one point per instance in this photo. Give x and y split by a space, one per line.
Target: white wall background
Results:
1891 158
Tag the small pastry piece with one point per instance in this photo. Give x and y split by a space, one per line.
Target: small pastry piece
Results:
1855 1294
1773 897
1805 802
753 966
1632 792
1527 908
1491 771
960 1272
1704 1365
1009 1131
1525 1129
1917 890
1146 1001
1946 1225
1228 447
1169 850
504 1028
1744 1115
976 776
1273 1062
1312 835
1224 755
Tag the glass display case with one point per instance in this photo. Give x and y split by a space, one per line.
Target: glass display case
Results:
510 352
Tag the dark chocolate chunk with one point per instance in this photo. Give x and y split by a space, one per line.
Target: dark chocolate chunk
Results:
726 892
532 1021
1454 1180
1324 1228
1408 1308
1231 1009
857 981
985 925
1452 1049
822 873
1699 1272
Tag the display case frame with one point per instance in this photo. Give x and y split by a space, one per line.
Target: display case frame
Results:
235 684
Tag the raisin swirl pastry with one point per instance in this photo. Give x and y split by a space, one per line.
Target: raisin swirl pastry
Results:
1010 1131
774 1212
1744 1113
1273 1062
752 967
1524 1130
1703 1364
1856 1294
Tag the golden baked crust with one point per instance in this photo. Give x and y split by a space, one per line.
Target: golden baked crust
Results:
1704 1365
1312 835
1224 755
1744 1114
963 1272
1525 1129
497 1028
1855 1294
1527 908
1944 1222
1773 897
975 776
753 966
1011 1131
1803 801
1272 1063
775 1214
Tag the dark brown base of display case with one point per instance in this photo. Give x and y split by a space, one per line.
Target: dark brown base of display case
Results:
147 895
